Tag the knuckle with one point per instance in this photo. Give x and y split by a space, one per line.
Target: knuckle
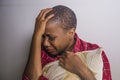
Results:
68 56
43 10
42 21
66 60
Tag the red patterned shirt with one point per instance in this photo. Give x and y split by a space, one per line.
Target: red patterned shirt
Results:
80 45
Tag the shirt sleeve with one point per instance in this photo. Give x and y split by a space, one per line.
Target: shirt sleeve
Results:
106 68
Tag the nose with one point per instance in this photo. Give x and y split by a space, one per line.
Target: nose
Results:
46 42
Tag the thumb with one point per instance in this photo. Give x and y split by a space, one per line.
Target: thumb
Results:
69 53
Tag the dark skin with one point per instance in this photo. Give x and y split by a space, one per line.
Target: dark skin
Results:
55 35
56 40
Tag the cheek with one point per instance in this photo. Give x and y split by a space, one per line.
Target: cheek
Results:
56 44
61 43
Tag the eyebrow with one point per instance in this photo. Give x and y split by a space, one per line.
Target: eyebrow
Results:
49 35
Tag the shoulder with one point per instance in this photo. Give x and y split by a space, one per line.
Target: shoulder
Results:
83 45
88 45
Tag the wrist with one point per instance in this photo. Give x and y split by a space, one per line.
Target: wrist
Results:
36 35
86 74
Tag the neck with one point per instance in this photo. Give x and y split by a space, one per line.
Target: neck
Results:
69 48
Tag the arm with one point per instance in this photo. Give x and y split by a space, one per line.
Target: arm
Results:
33 68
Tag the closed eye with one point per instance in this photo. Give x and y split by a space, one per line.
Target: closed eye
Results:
51 38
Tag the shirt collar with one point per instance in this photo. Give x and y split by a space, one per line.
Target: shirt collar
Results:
77 44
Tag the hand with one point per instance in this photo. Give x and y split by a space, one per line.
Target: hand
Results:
71 62
74 64
41 21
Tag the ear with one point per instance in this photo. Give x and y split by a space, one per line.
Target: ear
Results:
71 33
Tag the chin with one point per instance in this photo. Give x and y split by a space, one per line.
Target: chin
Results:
53 54
57 53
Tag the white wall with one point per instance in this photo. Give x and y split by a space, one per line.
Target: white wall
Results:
98 22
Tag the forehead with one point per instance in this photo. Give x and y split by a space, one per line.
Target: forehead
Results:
53 28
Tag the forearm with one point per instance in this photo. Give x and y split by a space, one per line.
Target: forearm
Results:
33 68
86 74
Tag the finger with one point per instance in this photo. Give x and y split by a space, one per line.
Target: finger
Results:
41 13
68 54
45 12
49 17
61 64
63 57
61 60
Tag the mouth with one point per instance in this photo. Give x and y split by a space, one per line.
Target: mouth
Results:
50 50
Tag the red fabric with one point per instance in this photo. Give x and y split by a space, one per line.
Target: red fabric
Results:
80 45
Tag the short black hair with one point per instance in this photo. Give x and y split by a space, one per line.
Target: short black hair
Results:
64 15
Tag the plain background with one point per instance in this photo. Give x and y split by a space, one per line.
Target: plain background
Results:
98 22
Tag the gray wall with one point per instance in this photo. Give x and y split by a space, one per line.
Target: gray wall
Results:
98 22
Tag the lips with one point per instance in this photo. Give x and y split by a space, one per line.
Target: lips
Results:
50 50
